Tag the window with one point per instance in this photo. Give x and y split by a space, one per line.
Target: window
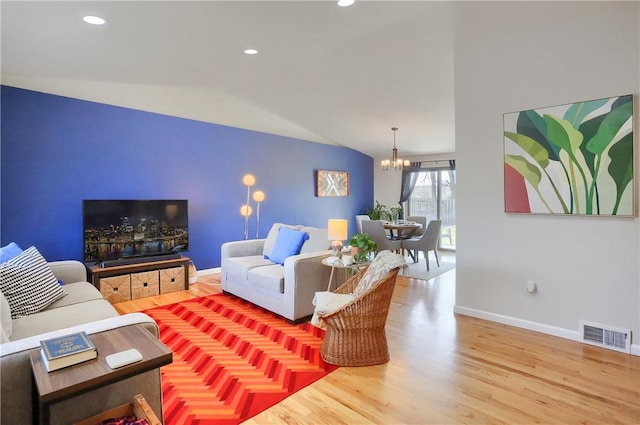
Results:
434 197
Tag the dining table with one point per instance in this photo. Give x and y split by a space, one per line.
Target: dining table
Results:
401 229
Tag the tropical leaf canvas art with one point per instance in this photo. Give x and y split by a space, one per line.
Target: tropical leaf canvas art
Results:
574 159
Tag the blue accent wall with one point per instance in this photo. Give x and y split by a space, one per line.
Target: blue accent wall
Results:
57 151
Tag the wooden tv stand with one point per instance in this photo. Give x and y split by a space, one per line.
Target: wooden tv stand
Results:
131 281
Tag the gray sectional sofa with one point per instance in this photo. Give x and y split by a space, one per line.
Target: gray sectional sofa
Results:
83 308
286 289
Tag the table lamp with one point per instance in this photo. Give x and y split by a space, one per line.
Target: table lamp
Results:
337 232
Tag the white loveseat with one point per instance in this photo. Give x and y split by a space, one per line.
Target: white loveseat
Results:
286 290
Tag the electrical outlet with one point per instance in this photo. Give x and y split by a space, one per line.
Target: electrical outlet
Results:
532 287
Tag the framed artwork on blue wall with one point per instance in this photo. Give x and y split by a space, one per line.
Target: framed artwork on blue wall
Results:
332 183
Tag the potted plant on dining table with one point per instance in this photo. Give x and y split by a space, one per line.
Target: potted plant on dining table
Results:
395 213
361 246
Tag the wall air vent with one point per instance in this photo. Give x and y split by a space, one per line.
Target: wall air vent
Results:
606 336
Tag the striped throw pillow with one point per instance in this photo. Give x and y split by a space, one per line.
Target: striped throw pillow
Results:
28 283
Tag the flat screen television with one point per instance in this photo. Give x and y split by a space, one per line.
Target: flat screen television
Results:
118 229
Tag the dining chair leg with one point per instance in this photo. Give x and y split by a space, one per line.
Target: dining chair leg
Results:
435 252
426 258
416 254
410 253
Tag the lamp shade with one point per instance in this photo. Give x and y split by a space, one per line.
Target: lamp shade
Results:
337 229
258 196
246 210
248 180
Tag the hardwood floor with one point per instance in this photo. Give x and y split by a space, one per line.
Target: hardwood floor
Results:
453 369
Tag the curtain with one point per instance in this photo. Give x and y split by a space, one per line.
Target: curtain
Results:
409 179
452 175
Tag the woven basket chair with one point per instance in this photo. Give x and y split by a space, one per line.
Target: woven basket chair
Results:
355 334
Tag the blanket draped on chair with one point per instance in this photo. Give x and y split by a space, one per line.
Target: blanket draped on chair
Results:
328 302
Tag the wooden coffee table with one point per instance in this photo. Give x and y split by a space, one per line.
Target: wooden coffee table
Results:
54 387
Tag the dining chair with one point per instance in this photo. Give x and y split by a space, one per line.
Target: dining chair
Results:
418 219
359 219
429 241
375 230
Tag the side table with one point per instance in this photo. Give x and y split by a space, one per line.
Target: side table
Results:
339 265
57 386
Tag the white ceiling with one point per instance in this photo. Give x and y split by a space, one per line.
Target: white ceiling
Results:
324 73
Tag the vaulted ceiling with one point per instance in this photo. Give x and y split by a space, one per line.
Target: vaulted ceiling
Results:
330 74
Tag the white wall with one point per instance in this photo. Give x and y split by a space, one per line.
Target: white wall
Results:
386 184
513 56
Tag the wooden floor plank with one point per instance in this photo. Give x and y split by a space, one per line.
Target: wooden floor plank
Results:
454 369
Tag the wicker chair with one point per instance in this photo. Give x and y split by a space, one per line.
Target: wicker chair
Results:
355 334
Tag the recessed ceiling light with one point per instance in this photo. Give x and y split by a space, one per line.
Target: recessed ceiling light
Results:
94 20
345 3
251 52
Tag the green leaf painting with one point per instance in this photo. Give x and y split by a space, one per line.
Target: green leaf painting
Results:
574 159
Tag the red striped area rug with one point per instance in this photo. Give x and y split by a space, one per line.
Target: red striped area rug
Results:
232 360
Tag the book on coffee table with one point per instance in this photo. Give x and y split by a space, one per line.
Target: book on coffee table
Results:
67 350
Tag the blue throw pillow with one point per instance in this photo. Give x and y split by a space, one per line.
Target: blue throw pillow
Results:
288 243
9 251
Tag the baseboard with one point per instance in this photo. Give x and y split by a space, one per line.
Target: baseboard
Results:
529 325
209 271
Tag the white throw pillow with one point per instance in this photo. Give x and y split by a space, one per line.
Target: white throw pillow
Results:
28 283
318 240
5 316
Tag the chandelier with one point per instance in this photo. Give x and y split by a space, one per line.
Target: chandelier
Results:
394 163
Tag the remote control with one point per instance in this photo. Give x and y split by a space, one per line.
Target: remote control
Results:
123 358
